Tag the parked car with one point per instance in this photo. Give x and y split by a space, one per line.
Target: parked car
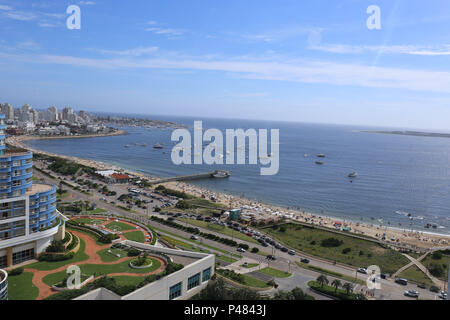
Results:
443 295
362 270
241 249
401 281
304 260
271 257
284 249
422 286
194 238
412 293
264 244
291 252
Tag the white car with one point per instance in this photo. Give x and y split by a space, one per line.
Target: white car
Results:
443 295
241 249
412 293
362 270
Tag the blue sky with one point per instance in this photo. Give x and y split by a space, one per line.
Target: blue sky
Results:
306 61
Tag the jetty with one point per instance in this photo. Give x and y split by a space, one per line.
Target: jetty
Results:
220 174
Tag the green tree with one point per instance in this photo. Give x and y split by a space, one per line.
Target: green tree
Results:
348 287
322 280
336 284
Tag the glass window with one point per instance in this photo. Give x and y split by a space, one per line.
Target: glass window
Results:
22 256
3 263
194 281
175 291
206 275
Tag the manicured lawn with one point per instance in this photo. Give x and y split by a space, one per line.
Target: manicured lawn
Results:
137 236
128 280
44 265
21 287
100 269
416 275
97 210
363 253
225 258
119 226
250 265
253 282
219 229
111 257
275 272
89 221
339 293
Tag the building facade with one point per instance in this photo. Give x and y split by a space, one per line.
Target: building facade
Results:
29 220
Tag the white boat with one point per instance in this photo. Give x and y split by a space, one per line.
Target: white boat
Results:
158 146
321 155
353 175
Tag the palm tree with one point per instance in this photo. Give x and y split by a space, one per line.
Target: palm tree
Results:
336 284
348 287
322 280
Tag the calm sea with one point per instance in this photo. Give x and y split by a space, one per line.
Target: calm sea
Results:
397 175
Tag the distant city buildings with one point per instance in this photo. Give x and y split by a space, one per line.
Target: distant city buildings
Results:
50 122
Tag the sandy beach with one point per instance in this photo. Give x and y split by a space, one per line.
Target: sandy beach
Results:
410 238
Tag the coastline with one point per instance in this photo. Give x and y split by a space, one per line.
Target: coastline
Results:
420 239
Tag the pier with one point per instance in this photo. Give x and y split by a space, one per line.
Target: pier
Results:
207 175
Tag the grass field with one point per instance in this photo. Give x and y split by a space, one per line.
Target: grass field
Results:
250 265
44 265
275 272
21 287
444 262
219 229
97 210
111 257
101 269
253 282
137 236
128 280
416 275
363 253
89 221
119 226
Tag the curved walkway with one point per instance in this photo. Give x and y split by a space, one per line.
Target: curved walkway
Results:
91 250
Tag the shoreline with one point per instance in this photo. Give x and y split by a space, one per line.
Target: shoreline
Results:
412 238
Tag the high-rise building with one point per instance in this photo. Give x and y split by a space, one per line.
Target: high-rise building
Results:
8 110
29 220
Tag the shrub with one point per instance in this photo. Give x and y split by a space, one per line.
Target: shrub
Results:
132 252
436 269
283 229
15 272
55 246
437 255
346 250
243 246
331 242
255 250
49 257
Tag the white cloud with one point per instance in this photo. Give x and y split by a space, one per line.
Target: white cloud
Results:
86 3
393 49
305 71
5 8
136 52
167 31
20 15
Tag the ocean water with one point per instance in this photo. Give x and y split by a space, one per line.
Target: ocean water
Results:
397 175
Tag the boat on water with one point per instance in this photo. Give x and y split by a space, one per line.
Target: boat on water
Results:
353 175
321 155
127 146
319 162
157 146
144 144
221 174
